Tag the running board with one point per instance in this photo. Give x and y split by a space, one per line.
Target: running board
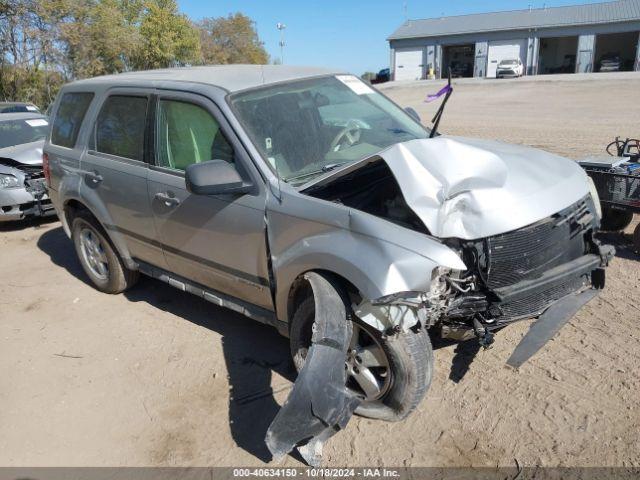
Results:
254 312
548 324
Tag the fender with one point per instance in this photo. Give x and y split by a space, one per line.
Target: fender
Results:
378 257
70 189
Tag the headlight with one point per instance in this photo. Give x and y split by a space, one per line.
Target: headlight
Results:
594 195
8 181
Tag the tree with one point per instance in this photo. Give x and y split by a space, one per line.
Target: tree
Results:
114 35
168 37
231 39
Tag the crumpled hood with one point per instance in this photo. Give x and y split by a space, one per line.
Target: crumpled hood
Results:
471 188
26 153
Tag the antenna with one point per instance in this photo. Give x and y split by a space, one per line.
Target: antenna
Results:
404 8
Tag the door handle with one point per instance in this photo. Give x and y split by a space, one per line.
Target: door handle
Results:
168 200
94 177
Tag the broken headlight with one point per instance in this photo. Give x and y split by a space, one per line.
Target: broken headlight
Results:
8 181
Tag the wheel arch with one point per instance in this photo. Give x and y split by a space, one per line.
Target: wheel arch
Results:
300 289
73 205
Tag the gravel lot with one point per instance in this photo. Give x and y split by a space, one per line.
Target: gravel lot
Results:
159 377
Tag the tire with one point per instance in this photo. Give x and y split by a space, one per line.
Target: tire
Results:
636 238
116 277
615 220
409 355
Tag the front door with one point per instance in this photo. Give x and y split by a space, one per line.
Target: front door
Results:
216 241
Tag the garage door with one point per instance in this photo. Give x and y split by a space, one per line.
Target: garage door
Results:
504 50
408 64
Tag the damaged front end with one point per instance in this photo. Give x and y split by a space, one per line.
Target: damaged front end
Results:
520 274
22 191
511 276
461 238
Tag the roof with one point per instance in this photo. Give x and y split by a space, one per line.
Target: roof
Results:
230 77
5 105
590 14
6 117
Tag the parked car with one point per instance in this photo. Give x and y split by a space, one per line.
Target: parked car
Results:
18 107
610 62
22 187
510 68
307 200
382 76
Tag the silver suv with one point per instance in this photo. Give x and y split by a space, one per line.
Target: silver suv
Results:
307 200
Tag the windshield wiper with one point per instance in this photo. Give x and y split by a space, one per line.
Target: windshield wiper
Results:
436 119
323 169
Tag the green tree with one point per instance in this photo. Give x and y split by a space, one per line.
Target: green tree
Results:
115 38
168 37
231 39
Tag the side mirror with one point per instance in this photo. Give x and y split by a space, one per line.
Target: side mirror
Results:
215 177
413 114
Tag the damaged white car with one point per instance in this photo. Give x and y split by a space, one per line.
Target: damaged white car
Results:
305 199
22 184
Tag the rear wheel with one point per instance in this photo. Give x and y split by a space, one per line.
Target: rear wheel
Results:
615 220
98 257
636 238
391 374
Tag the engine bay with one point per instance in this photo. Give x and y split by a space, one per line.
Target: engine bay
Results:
372 189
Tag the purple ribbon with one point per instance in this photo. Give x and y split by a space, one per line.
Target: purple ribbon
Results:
435 96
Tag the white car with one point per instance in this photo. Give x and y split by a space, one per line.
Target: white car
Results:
510 68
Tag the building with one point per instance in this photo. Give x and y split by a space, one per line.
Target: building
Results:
547 40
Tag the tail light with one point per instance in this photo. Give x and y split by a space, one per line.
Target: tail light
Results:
46 168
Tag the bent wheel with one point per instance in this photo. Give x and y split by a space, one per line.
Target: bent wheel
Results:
390 374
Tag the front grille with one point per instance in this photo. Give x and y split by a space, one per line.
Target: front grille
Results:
527 253
536 303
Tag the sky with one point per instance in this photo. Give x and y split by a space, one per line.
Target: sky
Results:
344 34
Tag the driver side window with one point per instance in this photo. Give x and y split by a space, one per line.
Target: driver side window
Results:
187 133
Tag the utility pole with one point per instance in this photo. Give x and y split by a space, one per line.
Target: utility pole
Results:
281 27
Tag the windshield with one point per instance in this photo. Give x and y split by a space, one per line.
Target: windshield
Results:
306 128
508 62
17 132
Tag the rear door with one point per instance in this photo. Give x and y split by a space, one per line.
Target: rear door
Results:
115 170
216 241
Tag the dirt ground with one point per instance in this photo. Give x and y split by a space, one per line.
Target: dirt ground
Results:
159 377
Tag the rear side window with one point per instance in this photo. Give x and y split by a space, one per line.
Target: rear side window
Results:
69 117
121 125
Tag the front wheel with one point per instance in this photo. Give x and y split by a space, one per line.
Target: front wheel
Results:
390 373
